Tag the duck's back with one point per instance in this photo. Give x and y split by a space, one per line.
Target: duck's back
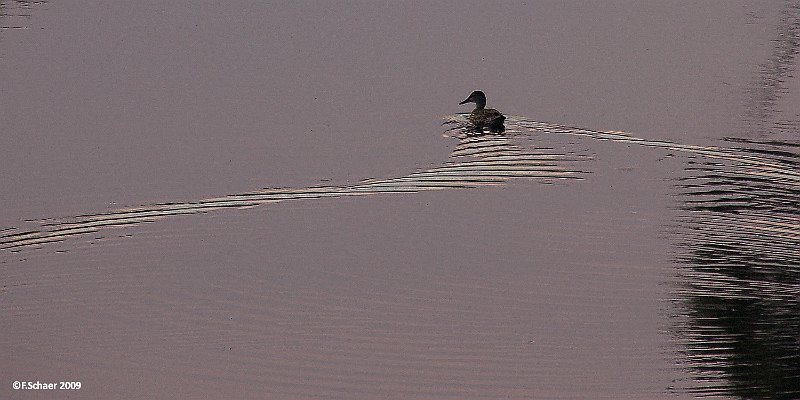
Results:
486 116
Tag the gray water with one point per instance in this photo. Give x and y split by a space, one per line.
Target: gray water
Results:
283 201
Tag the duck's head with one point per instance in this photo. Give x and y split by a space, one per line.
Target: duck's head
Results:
476 97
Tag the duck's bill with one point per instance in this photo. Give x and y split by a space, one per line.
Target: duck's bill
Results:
465 101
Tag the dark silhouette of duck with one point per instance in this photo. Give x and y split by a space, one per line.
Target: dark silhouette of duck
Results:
483 117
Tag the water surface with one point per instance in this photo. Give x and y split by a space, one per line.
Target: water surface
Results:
262 200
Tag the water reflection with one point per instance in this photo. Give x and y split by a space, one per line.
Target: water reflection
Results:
741 281
762 113
739 290
489 130
740 248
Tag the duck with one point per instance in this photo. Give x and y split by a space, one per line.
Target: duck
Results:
481 116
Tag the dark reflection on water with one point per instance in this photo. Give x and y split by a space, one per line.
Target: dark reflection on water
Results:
740 248
490 130
761 109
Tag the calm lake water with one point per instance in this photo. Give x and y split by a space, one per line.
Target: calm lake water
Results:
285 201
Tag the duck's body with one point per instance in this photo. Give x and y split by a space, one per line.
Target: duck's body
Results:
486 117
483 117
